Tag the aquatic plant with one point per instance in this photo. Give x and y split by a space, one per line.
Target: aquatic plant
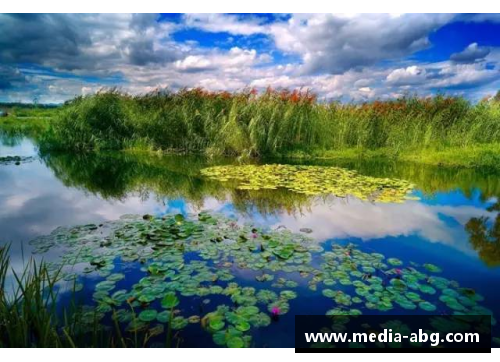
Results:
277 123
355 281
311 180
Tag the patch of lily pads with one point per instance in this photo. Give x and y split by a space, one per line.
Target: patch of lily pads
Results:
311 180
187 261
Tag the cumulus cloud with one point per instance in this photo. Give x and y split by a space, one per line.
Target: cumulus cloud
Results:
231 61
336 43
85 42
470 54
465 76
224 23
407 76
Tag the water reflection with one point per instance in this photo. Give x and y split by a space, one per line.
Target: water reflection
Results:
485 236
456 209
450 198
455 224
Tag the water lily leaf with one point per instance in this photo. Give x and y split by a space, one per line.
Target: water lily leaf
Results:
427 289
432 268
394 261
279 307
179 322
163 317
105 286
169 301
115 277
247 311
217 323
148 315
288 294
242 325
427 306
260 320
235 342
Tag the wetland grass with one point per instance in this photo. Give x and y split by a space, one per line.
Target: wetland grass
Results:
440 130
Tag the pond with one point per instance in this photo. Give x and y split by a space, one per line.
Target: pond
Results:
437 251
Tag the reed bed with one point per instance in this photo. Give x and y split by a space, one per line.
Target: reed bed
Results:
272 123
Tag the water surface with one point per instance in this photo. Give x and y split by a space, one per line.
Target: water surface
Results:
453 225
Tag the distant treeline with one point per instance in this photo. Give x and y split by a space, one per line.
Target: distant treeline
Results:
4 105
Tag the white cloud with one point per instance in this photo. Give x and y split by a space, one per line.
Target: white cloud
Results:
407 76
217 23
336 43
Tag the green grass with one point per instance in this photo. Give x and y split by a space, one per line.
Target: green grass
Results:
440 130
30 121
474 156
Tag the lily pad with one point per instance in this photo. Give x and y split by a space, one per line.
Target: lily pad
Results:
429 307
169 301
235 342
148 315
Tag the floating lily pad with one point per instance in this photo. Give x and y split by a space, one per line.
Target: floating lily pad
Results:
432 268
217 323
235 342
148 315
198 257
288 294
163 317
311 180
427 306
179 322
169 301
427 289
394 261
242 325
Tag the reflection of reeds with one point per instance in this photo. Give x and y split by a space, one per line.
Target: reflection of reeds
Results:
115 175
271 123
485 239
30 316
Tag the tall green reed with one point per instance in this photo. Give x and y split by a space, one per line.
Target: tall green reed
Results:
271 123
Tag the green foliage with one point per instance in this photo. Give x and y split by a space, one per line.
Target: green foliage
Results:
271 123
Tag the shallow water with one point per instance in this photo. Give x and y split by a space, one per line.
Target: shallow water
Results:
62 190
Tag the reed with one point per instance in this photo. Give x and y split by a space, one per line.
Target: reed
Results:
273 123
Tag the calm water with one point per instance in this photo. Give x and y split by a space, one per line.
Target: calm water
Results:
60 190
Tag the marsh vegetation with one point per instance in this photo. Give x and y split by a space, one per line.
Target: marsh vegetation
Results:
439 130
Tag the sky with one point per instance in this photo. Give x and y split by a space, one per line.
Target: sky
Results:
51 58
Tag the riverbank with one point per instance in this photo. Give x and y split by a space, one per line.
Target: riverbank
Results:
478 156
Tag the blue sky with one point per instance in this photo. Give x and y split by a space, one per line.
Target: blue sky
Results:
355 57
